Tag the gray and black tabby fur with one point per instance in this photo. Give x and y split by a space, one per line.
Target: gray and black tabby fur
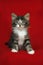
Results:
20 38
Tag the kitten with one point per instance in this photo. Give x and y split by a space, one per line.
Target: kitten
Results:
20 39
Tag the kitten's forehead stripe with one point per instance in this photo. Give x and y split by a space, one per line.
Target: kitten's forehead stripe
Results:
20 17
20 21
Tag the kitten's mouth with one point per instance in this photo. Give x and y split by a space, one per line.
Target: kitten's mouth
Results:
20 28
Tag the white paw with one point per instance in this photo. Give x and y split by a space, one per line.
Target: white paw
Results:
14 50
31 52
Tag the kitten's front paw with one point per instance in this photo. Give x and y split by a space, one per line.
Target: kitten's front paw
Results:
31 52
14 50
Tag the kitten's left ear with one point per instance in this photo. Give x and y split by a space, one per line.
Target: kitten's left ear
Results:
13 16
27 16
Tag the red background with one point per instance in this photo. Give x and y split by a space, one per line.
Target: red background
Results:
35 8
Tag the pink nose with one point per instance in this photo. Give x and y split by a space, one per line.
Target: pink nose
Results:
20 28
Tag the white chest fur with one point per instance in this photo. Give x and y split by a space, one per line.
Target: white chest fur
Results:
21 35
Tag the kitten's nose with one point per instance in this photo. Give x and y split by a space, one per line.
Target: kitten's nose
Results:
20 25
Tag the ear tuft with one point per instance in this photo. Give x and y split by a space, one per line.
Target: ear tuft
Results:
13 16
27 16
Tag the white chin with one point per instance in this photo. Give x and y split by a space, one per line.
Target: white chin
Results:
14 50
31 52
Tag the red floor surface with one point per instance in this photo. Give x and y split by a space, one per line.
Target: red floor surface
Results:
35 8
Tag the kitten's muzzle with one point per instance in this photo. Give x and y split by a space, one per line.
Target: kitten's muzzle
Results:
21 27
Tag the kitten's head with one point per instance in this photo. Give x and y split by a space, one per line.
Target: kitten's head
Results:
20 22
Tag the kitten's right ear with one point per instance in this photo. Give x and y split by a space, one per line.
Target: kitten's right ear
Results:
27 16
13 16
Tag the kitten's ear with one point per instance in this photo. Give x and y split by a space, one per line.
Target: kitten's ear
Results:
13 16
27 16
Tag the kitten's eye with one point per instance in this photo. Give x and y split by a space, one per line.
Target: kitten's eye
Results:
27 23
13 24
17 25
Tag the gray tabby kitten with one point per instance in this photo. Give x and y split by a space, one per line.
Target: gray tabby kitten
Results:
20 39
